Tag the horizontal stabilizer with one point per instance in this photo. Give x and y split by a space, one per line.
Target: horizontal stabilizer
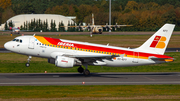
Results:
161 59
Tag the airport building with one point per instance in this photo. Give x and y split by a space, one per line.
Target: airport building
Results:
19 20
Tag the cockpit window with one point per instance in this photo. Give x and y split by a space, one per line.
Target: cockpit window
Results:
17 40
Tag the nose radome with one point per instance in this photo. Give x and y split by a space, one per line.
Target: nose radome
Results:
7 45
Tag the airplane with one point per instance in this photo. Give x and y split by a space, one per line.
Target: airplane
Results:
15 30
68 53
97 29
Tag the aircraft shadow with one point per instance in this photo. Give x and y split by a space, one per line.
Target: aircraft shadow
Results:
71 75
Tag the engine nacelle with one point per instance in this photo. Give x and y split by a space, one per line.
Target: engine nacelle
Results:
64 62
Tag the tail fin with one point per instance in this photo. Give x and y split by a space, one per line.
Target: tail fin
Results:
158 42
92 19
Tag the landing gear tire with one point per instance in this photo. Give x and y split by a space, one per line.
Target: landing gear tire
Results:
86 72
27 64
29 59
80 69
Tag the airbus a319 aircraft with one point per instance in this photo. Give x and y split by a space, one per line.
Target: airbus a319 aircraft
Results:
67 53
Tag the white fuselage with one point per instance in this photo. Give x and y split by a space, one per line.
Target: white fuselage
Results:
32 47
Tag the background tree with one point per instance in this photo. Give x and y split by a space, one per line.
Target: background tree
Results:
142 14
53 26
8 13
5 3
69 28
6 26
10 24
62 29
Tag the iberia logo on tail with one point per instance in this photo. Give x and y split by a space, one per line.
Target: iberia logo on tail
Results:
158 42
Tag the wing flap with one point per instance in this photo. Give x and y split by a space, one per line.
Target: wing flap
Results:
90 56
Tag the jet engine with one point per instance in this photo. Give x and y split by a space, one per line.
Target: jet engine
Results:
64 62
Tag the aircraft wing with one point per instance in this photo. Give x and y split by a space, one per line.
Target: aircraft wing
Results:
69 26
6 30
115 25
54 54
26 30
91 56
120 25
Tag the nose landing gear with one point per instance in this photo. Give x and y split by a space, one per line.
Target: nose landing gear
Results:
29 59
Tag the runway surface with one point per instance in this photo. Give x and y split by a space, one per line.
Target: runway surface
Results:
86 33
19 79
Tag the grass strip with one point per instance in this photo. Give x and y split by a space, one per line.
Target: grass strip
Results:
105 92
15 63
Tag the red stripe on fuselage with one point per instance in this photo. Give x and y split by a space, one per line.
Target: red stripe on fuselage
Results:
104 49
52 40
118 51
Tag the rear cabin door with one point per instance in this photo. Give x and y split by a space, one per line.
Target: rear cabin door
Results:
135 57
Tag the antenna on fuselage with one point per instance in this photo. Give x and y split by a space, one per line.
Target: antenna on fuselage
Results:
108 44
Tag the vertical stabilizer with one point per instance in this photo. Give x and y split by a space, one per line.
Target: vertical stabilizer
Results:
158 42
92 19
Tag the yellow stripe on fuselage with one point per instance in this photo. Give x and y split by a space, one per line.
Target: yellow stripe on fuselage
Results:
42 40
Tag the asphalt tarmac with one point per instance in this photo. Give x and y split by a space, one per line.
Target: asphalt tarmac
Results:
20 79
86 33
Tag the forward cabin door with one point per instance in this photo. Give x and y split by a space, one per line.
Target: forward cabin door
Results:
31 43
135 57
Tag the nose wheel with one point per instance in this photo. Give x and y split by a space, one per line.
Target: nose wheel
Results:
27 64
29 59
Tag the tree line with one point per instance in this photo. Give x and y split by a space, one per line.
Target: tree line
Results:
37 25
144 15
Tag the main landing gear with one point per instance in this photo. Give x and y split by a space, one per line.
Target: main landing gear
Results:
29 59
86 72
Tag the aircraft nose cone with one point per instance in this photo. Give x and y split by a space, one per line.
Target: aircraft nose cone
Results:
7 46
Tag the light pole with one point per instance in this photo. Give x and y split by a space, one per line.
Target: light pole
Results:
109 15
